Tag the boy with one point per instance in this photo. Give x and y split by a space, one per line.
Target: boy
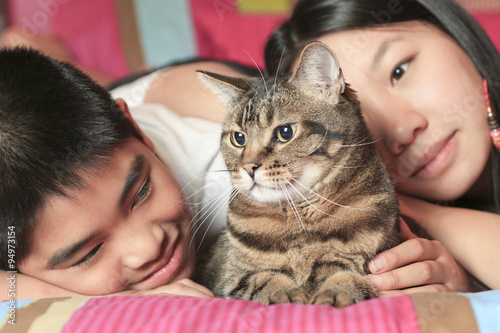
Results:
86 205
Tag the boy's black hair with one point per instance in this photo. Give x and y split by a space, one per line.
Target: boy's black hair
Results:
56 124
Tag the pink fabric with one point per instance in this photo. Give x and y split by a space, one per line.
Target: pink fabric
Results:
490 21
90 28
29 16
188 314
223 33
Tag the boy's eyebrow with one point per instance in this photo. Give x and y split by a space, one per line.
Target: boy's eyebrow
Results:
66 253
382 50
134 171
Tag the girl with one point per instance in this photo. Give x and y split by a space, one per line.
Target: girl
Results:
427 79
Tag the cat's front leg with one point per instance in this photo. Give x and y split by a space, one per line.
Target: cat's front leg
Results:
270 288
343 289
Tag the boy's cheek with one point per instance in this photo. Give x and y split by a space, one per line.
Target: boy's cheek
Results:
91 282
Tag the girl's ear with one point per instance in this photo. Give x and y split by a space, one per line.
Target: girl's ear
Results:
122 105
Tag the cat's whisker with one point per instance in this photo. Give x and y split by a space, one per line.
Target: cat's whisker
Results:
218 202
319 145
303 197
206 212
199 189
186 200
277 70
359 143
292 205
183 189
262 75
346 167
221 206
276 194
332 202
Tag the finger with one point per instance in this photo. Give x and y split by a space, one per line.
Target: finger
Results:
420 289
405 230
195 285
416 274
415 249
185 288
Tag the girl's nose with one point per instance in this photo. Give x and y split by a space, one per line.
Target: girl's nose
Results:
402 129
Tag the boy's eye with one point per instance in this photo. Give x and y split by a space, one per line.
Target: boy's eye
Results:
286 132
399 71
89 256
143 193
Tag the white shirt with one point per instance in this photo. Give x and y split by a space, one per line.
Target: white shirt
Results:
189 147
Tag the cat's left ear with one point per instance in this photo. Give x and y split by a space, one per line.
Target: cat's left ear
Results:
228 88
319 72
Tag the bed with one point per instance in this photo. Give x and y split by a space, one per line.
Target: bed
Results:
189 314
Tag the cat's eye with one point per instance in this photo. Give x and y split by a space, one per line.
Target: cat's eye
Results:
238 139
286 132
399 71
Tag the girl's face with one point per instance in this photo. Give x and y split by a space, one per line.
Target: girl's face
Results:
128 229
422 99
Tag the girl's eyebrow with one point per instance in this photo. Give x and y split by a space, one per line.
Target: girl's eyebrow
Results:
63 255
382 50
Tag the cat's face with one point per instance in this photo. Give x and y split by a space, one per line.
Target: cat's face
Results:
277 153
282 137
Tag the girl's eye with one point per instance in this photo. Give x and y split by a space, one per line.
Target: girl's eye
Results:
238 139
143 193
399 71
89 256
286 132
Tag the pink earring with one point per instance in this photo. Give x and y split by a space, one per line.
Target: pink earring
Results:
494 128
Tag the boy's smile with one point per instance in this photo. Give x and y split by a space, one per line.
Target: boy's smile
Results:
127 229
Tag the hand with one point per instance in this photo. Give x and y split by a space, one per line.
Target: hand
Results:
416 265
184 287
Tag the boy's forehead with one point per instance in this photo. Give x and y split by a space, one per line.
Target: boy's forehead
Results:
103 189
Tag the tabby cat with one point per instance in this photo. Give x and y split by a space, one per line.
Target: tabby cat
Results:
313 200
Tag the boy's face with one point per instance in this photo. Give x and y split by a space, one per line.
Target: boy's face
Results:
128 229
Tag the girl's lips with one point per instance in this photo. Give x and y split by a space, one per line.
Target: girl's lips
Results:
164 272
438 160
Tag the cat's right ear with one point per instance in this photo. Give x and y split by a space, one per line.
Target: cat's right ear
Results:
319 72
226 87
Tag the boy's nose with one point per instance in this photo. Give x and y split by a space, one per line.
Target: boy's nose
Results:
142 248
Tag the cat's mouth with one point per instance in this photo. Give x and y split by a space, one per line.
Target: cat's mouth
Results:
276 194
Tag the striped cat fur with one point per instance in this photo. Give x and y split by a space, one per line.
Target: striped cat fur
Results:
313 201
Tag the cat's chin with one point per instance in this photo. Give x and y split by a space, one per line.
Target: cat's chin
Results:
271 195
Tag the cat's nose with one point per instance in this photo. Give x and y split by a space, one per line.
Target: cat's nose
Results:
250 168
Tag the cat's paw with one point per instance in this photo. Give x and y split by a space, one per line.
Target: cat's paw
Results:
341 298
290 295
344 289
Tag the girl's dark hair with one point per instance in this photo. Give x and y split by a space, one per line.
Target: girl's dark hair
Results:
56 125
312 19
